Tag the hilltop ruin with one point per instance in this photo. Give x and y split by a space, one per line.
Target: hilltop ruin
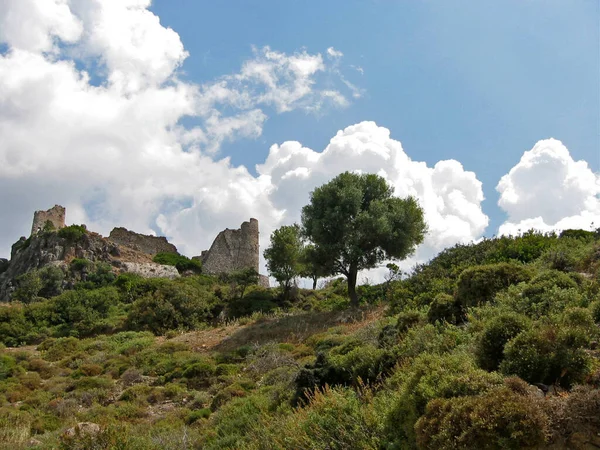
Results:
53 219
124 250
150 245
233 250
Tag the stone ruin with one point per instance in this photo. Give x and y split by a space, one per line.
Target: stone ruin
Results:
150 245
233 250
54 217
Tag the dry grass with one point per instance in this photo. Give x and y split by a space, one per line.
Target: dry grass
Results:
292 328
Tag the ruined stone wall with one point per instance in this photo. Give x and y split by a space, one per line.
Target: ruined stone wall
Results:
141 242
233 250
55 215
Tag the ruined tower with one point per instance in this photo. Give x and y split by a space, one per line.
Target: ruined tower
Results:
53 218
233 250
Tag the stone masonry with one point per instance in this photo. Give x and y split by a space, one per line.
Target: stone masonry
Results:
150 245
54 216
233 250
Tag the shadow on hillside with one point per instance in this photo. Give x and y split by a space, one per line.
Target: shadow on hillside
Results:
297 327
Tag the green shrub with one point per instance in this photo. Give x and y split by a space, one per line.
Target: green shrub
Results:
478 285
194 416
595 310
257 299
79 264
408 319
445 308
176 304
8 367
56 349
181 263
429 377
28 287
548 354
498 419
73 233
15 329
360 364
200 373
495 334
544 282
435 339
334 419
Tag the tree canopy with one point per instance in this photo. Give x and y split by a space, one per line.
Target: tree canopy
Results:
358 223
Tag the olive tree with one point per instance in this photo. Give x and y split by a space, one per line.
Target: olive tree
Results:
284 255
357 222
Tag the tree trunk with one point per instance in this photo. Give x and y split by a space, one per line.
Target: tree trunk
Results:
352 275
315 283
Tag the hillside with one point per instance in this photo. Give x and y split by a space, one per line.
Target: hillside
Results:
489 345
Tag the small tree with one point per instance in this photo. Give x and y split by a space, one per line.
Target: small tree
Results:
315 264
355 220
284 255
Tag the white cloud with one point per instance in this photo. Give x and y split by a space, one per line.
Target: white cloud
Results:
548 190
333 53
113 151
33 25
450 196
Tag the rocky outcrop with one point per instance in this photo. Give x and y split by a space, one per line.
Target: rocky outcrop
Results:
150 245
150 270
47 248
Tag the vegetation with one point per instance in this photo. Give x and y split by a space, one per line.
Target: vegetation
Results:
357 223
284 255
491 345
182 263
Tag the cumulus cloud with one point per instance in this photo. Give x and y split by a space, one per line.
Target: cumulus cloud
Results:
450 196
109 146
547 190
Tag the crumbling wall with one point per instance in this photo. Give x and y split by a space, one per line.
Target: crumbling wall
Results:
233 250
54 216
141 242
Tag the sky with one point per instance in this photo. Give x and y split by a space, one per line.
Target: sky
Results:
182 117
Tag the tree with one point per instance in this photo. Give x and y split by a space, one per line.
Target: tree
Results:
355 220
284 255
315 264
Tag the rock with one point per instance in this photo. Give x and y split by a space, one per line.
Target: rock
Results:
83 428
33 442
151 270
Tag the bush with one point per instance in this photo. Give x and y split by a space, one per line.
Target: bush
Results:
498 419
56 349
429 377
181 263
73 233
257 299
15 329
445 308
173 305
544 282
28 287
334 419
52 278
8 367
549 355
496 333
361 364
478 285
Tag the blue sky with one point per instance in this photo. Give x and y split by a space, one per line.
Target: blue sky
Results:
182 118
480 82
